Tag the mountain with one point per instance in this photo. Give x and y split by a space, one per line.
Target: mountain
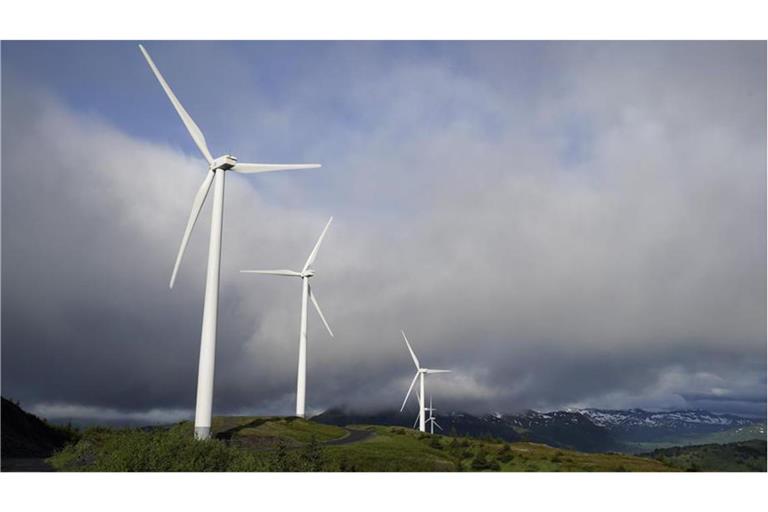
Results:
639 430
24 435
586 430
640 425
564 429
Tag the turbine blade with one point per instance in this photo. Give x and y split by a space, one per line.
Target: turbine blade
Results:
437 424
197 205
437 371
313 254
192 128
417 420
317 307
248 168
409 391
280 272
415 359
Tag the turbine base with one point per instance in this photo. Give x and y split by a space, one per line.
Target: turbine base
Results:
202 433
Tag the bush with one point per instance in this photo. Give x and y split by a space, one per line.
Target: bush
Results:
161 450
481 462
504 454
312 457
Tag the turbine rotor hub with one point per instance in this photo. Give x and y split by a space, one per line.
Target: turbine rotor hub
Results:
224 162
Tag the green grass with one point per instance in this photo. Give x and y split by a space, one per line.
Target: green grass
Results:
739 456
293 429
101 449
399 449
388 450
294 444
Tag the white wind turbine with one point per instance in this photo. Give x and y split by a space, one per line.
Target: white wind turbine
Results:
216 171
306 291
431 419
420 373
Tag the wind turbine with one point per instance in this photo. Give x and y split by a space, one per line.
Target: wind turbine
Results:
420 373
216 172
306 291
432 420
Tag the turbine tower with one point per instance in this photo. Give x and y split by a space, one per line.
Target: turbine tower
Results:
420 374
217 168
306 291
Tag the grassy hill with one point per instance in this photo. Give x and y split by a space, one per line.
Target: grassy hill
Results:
294 444
739 456
24 435
403 449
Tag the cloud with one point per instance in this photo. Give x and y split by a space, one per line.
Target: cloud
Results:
588 228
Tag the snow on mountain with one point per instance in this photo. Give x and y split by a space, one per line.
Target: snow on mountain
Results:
649 419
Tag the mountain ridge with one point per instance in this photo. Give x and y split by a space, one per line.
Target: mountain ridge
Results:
590 430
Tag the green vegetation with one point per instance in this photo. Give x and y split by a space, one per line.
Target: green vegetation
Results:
264 432
392 449
740 456
293 444
102 449
398 449
174 449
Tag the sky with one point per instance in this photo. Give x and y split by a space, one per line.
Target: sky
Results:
562 224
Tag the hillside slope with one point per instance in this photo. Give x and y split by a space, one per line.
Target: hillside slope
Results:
739 456
294 444
24 435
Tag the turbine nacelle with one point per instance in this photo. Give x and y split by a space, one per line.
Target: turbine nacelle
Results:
308 273
224 162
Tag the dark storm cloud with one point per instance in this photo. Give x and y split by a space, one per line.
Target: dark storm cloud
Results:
593 239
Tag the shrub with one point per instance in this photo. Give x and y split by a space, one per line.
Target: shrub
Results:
161 450
312 456
481 462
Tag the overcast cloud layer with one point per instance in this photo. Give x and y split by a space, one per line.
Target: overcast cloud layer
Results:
563 225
